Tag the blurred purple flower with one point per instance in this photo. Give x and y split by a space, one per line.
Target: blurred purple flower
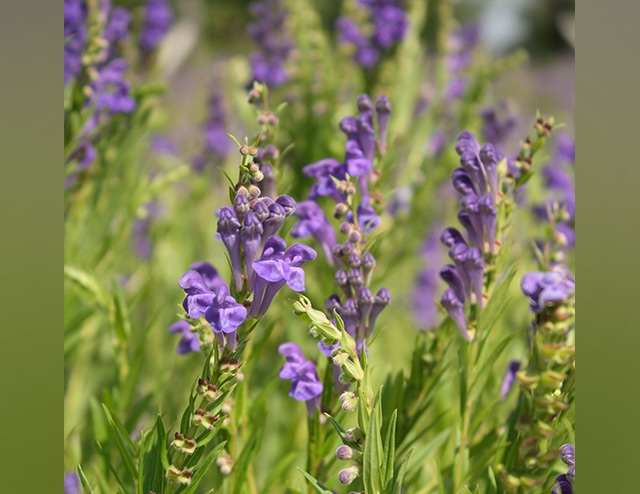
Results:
190 341
269 32
546 289
75 35
314 222
509 378
71 480
157 21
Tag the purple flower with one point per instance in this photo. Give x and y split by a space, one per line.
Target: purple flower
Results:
278 266
564 483
383 298
322 171
389 24
85 154
455 309
451 237
305 385
229 230
190 341
488 215
157 21
225 314
496 128
71 480
509 378
117 28
367 218
269 32
200 284
250 236
383 112
75 34
314 222
112 92
546 289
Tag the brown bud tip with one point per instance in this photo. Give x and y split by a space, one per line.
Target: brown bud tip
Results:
528 160
202 382
200 411
224 361
190 442
213 387
540 120
179 436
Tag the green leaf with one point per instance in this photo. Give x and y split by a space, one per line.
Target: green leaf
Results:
318 486
123 442
88 283
373 453
83 480
399 478
389 449
229 179
197 477
121 321
141 464
162 444
235 140
251 447
256 139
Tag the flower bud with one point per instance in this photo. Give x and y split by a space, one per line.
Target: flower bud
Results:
348 475
355 261
253 151
210 394
340 210
254 191
356 281
198 416
354 435
244 150
336 251
355 236
349 402
271 118
345 228
344 452
261 210
347 248
341 279
201 388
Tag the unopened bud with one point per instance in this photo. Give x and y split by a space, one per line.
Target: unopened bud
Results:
349 401
354 435
344 452
201 388
210 394
340 210
244 150
348 475
254 191
355 236
345 228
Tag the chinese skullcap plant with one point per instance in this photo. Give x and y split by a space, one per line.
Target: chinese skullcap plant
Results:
219 317
350 317
547 386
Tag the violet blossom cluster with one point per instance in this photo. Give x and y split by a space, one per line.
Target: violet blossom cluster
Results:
108 90
261 263
305 385
274 46
458 59
425 313
387 26
158 17
477 183
75 35
547 290
216 140
360 150
564 483
559 182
